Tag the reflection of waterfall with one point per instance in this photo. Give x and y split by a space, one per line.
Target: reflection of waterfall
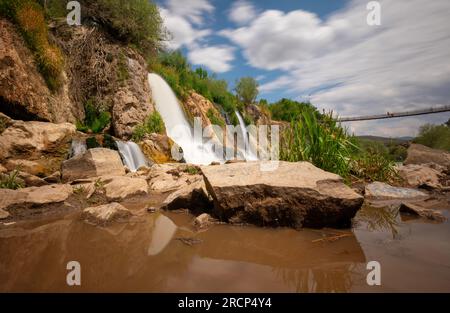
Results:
132 155
162 234
177 125
246 151
78 147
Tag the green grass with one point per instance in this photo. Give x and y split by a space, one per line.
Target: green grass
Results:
10 181
326 144
152 124
323 142
374 166
191 170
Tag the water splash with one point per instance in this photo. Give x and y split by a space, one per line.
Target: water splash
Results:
132 155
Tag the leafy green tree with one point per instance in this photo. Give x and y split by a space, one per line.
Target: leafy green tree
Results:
434 136
247 90
287 110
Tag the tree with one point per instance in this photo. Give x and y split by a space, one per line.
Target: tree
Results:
448 123
246 90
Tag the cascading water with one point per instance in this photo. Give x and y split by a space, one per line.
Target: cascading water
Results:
77 147
250 156
177 125
132 155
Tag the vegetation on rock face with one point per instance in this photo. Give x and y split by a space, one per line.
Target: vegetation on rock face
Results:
435 136
10 181
96 120
134 22
246 90
29 16
152 124
214 119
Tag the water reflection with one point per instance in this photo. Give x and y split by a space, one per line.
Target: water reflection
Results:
379 218
163 231
333 278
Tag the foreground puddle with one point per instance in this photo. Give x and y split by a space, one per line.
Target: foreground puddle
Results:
146 255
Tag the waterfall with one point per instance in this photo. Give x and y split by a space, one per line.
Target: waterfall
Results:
77 147
249 156
132 155
177 125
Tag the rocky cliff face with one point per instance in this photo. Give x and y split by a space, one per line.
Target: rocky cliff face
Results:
23 92
198 106
101 69
96 68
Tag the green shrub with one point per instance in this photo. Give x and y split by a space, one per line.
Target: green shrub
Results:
95 119
152 124
192 170
434 136
10 181
92 143
30 18
136 22
214 119
286 109
374 166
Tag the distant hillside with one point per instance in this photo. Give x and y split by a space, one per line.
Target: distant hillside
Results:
384 140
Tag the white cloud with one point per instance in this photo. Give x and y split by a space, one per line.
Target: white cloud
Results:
242 12
181 30
192 10
185 22
216 58
353 68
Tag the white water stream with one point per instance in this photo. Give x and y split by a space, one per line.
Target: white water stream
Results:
132 155
177 125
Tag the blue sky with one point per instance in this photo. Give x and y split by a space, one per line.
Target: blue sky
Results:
324 51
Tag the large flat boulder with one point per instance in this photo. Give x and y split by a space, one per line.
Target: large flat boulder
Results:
293 194
419 154
122 187
93 163
34 196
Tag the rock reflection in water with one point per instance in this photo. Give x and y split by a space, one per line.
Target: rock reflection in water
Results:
163 231
381 217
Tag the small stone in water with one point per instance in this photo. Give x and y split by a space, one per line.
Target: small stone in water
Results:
151 210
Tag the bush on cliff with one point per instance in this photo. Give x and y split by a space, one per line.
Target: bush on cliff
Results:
136 22
152 124
30 18
96 120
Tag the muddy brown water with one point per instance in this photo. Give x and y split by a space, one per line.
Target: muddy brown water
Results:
145 255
